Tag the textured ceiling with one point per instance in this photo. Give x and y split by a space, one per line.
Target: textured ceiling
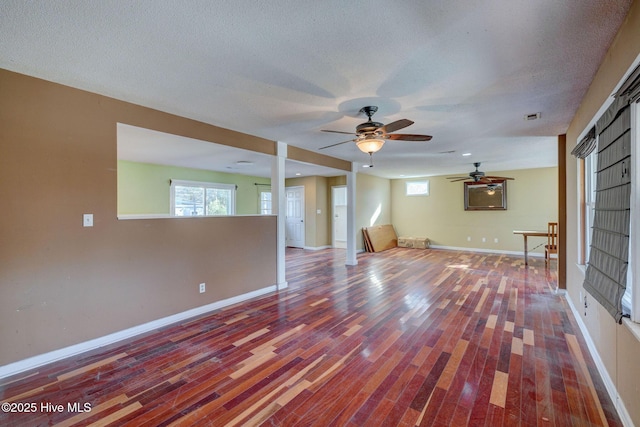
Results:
466 72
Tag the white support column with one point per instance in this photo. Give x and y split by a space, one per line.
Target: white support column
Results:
351 216
279 208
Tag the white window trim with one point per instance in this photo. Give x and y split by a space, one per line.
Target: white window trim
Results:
203 184
632 298
408 184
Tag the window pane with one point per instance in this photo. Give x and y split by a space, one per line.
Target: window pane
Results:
218 201
418 188
265 203
189 201
590 200
193 198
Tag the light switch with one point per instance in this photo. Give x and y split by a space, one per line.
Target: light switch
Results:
87 220
318 211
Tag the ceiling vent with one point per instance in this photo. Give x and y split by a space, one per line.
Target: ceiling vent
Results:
534 116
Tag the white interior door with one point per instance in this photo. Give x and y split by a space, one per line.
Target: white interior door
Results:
294 235
339 218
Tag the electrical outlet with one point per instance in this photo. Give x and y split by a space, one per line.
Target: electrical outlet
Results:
87 220
468 238
484 239
202 287
495 240
586 304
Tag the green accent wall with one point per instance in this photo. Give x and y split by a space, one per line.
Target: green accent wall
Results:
144 188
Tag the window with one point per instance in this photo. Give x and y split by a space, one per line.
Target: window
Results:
631 297
590 163
612 268
265 203
417 188
192 198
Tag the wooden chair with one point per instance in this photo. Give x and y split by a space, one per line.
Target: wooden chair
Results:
552 241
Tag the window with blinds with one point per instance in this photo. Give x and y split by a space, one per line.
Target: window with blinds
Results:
608 266
606 275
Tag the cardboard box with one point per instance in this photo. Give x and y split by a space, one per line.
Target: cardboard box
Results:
413 242
421 243
405 242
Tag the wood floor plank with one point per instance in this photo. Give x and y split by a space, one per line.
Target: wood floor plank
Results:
406 337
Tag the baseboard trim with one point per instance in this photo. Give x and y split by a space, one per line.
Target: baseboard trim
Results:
282 285
317 248
53 356
608 382
488 251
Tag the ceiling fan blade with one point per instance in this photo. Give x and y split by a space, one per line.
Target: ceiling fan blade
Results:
397 125
458 178
408 137
499 177
333 145
337 131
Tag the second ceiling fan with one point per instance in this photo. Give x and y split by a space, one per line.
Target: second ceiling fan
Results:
371 136
479 177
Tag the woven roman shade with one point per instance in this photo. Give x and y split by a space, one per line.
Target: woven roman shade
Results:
630 89
586 145
606 275
628 93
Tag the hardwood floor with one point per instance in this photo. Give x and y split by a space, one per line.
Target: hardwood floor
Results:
407 337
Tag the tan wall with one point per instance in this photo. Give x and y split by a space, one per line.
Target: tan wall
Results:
614 342
372 193
62 284
323 205
532 202
309 183
334 181
373 201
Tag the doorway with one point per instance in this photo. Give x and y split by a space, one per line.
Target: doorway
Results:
294 222
339 216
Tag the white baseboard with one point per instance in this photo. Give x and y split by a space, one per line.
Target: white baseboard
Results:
317 248
53 356
489 251
282 285
608 382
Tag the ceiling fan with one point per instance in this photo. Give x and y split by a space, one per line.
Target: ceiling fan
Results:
479 176
371 136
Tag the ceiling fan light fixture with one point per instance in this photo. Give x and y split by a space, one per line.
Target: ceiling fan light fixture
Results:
370 145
